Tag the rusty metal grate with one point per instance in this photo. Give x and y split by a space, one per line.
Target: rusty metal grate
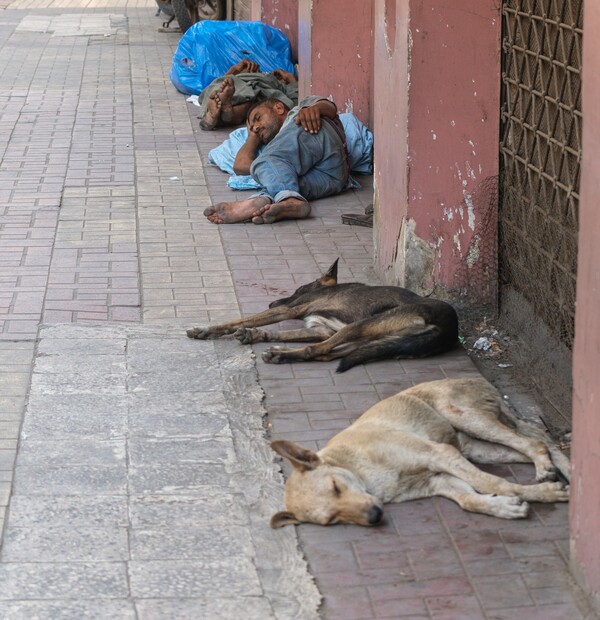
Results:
541 153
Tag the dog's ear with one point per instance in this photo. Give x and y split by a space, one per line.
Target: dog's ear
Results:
281 519
301 458
330 278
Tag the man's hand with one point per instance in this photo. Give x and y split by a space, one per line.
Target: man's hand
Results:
310 118
247 153
284 76
252 135
244 66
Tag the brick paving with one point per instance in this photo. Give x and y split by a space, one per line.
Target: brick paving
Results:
429 559
103 179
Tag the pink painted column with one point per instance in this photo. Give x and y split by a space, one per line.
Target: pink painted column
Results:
436 110
282 14
335 51
585 486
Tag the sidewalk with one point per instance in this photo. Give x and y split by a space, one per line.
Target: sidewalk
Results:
143 483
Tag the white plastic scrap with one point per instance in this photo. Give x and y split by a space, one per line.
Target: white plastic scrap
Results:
483 344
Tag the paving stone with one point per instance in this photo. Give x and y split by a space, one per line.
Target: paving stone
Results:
5 488
56 511
75 480
69 416
154 451
544 612
188 372
347 604
193 578
228 608
69 452
80 346
7 458
111 380
149 511
211 543
502 591
176 478
65 544
14 383
63 580
453 607
68 609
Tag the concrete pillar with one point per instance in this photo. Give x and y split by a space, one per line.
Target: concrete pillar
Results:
334 52
436 111
585 486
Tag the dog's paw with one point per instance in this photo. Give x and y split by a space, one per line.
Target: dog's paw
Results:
199 333
207 333
546 474
248 335
557 491
272 356
507 507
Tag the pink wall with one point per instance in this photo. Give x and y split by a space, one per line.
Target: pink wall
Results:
585 487
282 14
335 52
437 85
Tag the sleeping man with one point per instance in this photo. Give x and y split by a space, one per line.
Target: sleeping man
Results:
226 100
305 157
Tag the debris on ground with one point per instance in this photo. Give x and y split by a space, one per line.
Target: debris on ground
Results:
486 341
483 343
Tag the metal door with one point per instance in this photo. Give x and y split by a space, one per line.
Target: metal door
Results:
541 155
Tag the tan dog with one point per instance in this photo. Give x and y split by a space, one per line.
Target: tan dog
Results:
414 445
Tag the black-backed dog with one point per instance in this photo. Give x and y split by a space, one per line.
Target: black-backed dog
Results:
355 322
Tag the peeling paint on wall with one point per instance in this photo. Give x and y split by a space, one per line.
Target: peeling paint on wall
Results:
415 259
473 254
470 210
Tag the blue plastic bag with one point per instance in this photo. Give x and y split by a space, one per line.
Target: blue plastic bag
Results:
209 48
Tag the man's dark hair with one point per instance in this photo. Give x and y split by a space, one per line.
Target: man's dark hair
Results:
270 103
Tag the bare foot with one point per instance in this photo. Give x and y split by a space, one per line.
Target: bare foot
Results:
213 112
289 209
235 212
223 97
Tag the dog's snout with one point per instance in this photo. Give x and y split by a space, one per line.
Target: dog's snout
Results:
375 514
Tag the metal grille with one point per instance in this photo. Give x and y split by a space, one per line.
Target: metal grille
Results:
541 149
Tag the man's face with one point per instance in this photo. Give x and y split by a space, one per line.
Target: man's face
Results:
266 122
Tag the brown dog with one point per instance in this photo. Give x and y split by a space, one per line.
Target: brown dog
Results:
414 445
356 322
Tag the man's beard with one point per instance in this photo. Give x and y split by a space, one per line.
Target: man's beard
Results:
268 132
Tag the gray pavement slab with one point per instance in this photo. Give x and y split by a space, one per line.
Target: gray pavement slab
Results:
170 504
68 609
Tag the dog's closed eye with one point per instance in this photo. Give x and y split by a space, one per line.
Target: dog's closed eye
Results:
336 489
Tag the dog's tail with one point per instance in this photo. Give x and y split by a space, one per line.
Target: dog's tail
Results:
558 457
430 341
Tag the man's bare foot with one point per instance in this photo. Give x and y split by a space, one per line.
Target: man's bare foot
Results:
235 212
289 209
213 112
223 97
